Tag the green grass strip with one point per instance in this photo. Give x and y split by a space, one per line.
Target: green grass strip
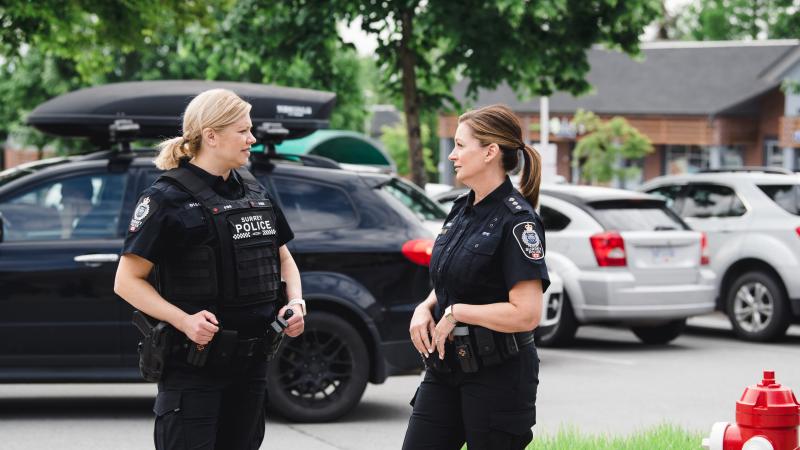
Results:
662 437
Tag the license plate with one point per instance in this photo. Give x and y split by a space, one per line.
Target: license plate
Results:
662 254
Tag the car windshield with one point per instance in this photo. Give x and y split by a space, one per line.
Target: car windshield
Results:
787 196
414 199
636 215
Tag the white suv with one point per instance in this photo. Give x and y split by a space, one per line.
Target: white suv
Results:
624 257
752 220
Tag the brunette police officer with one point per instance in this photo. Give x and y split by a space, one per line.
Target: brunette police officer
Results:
475 328
217 243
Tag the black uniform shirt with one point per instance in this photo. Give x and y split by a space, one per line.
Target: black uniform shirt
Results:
168 220
483 250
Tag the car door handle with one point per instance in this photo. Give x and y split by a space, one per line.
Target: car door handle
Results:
97 259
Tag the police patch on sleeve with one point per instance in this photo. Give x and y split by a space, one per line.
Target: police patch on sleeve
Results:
144 209
528 240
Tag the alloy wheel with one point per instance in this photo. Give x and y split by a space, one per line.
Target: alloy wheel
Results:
753 307
315 368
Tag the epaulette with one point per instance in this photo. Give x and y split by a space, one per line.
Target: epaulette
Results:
516 204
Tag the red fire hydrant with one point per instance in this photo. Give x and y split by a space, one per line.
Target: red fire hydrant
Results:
767 418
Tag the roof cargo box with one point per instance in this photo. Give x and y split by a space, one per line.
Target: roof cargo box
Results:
157 107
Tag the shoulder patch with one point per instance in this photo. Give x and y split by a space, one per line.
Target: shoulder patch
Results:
144 209
528 240
516 205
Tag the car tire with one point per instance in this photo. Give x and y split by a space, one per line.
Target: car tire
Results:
321 374
660 334
562 334
763 292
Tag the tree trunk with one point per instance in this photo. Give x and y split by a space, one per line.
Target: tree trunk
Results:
754 10
411 101
664 22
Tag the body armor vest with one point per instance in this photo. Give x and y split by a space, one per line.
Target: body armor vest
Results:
244 268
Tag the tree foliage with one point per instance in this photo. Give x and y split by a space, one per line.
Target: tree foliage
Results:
396 144
56 47
87 31
740 19
424 45
606 145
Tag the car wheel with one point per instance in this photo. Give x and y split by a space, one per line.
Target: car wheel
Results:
562 333
321 374
660 334
757 307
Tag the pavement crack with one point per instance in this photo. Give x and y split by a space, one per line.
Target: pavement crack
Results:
315 437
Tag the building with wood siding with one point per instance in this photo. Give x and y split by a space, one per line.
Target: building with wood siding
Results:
702 104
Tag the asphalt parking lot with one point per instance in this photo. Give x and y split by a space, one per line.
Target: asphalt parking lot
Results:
607 383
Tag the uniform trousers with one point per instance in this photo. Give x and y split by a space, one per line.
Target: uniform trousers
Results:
494 408
211 408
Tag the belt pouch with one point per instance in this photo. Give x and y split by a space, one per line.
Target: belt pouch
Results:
487 350
510 347
464 351
223 347
437 365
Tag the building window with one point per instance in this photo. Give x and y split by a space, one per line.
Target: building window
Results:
773 153
636 167
682 159
732 156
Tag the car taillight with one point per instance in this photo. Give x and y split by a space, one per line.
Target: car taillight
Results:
418 251
609 249
797 230
704 259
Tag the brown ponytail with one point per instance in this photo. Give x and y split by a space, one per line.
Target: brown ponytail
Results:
498 124
531 177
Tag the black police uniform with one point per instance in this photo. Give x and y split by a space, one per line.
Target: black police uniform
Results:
215 244
481 252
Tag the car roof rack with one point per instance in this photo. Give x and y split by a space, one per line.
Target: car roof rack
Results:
111 113
265 159
762 169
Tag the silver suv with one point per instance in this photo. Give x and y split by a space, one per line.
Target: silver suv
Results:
624 258
752 220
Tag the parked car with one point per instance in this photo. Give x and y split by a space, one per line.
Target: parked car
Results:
415 199
362 254
446 199
624 258
752 220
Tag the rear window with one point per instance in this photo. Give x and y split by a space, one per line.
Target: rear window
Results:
312 206
419 203
636 215
787 196
553 220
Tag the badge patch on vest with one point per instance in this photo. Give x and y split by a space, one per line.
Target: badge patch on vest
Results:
252 224
528 240
144 209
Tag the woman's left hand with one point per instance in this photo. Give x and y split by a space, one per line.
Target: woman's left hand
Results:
441 333
296 322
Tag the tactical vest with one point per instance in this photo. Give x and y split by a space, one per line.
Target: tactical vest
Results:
244 268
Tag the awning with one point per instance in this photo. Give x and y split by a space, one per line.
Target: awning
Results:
343 146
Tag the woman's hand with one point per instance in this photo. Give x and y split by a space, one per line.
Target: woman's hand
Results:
421 329
200 328
296 322
441 333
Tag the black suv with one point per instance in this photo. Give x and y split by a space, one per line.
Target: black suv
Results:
362 253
